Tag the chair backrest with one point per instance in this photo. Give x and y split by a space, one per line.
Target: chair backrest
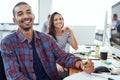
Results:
2 72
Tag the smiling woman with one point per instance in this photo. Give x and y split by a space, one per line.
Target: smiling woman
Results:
6 7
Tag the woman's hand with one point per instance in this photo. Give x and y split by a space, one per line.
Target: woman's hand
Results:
66 29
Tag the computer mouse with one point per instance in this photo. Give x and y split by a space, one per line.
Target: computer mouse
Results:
100 69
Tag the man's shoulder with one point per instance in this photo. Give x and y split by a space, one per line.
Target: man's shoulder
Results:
118 22
11 36
44 37
42 34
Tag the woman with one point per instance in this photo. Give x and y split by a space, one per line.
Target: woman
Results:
62 35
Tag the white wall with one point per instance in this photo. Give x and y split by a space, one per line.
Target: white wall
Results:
81 12
6 6
84 12
44 10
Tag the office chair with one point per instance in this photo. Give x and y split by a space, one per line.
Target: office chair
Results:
2 72
117 39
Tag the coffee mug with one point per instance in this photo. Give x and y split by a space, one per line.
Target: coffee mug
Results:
103 55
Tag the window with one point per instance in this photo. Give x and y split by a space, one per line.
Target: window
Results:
6 7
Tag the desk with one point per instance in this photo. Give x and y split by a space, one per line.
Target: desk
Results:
96 64
83 48
93 76
72 71
80 75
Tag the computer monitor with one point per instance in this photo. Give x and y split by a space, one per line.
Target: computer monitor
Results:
85 35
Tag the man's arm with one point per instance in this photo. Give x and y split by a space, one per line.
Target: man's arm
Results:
63 58
11 65
69 60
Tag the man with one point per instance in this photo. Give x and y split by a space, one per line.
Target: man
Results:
115 30
31 55
46 25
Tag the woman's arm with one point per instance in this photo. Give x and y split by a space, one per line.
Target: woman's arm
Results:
73 40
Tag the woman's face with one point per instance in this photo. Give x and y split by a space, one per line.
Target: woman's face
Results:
58 21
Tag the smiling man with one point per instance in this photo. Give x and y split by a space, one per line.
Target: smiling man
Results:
30 55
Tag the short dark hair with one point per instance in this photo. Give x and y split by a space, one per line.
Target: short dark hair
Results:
114 15
18 4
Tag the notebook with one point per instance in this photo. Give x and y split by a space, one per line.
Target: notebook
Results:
94 76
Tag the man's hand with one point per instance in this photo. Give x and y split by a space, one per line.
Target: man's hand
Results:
88 66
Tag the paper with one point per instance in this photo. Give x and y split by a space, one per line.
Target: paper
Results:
93 76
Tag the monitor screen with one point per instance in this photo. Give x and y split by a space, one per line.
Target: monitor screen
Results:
85 35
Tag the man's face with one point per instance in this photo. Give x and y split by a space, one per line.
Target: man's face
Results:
24 17
114 18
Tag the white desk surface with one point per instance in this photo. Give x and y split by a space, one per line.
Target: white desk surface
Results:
94 76
84 76
109 49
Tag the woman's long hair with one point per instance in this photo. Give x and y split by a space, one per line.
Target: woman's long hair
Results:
51 25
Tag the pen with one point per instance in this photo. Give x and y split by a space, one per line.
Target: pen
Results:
84 65
88 54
